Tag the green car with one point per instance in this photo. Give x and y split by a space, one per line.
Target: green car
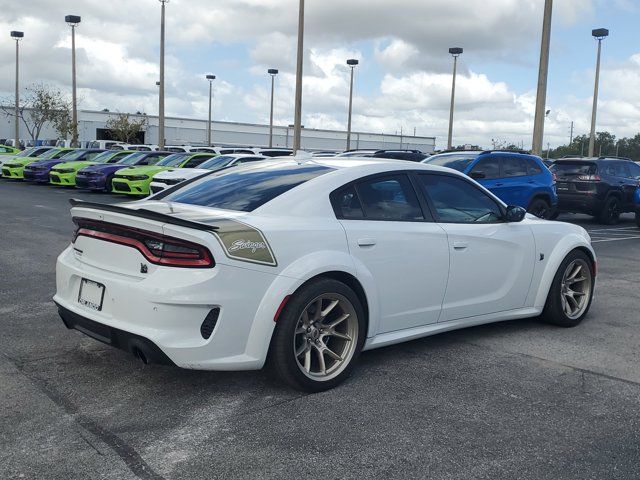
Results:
6 150
136 180
14 167
65 173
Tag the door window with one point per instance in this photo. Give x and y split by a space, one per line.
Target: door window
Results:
534 168
458 201
347 204
514 167
634 170
487 168
389 198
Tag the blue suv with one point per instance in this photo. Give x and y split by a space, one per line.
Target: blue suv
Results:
515 178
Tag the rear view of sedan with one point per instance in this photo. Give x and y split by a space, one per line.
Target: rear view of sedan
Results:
307 263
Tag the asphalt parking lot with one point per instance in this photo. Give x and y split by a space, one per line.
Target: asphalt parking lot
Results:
512 400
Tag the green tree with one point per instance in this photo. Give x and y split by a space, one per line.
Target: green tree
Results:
125 127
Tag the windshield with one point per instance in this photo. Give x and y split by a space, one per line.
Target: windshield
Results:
458 161
245 189
173 160
217 162
132 159
26 153
49 154
104 157
573 168
74 155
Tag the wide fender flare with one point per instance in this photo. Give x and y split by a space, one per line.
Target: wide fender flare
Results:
567 244
293 277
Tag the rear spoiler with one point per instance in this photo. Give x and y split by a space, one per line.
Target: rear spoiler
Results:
143 213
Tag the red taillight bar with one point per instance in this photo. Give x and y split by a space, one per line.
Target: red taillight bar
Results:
191 256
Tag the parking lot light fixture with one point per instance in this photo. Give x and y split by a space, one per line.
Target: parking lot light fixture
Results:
211 78
297 129
273 72
455 52
17 36
161 86
352 62
599 34
73 21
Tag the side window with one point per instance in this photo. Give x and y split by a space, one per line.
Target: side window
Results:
514 167
458 201
346 204
389 198
622 170
534 168
487 168
634 170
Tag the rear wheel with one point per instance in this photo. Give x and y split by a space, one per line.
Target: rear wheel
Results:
571 292
318 337
610 214
540 208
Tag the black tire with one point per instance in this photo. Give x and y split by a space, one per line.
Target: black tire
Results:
610 213
638 219
540 208
554 215
554 312
109 184
282 357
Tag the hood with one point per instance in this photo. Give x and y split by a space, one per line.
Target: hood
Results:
18 160
104 168
46 163
143 170
74 165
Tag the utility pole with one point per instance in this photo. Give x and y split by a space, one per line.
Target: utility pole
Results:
543 74
17 36
211 78
161 92
297 129
455 52
273 72
352 62
73 21
571 134
599 34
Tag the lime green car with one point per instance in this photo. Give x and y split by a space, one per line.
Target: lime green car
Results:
14 168
136 180
7 150
64 174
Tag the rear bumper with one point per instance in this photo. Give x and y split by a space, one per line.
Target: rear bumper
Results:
141 347
580 203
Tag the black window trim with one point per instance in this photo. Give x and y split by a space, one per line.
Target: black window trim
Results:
434 212
426 211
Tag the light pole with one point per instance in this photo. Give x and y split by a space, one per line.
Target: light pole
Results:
599 34
352 62
543 74
297 129
273 72
17 36
161 86
73 21
455 52
211 78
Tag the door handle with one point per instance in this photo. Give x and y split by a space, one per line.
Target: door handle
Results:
460 245
499 184
366 242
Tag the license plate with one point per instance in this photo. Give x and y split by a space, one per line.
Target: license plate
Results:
91 294
562 186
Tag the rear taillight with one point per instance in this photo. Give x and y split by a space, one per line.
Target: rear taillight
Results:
589 178
156 248
554 177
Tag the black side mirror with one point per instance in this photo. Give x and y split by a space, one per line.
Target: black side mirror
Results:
477 175
515 214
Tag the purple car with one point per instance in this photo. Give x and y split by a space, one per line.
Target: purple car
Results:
99 176
39 171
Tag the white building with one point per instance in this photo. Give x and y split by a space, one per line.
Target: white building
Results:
186 131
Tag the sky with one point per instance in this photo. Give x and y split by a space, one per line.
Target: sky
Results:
403 81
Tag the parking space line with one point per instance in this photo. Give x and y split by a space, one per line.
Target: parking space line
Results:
610 229
614 239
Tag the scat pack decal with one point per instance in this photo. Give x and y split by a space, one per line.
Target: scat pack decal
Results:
243 242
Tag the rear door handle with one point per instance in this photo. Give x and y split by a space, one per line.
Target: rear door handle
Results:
460 245
499 184
366 242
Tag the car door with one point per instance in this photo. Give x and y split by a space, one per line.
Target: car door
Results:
628 183
492 261
397 247
516 188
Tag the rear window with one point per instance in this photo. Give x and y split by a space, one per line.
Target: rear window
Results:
456 161
573 168
247 189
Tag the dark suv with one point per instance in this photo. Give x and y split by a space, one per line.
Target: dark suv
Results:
602 187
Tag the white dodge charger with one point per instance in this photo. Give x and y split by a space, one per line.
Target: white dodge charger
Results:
304 264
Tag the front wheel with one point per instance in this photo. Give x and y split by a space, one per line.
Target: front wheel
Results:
571 292
540 208
318 336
